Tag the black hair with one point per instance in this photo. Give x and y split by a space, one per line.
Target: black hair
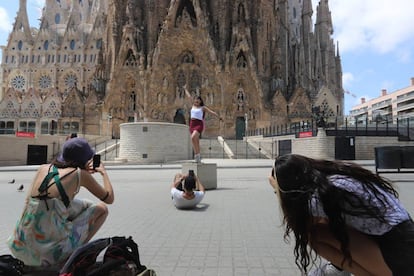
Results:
200 99
189 183
300 178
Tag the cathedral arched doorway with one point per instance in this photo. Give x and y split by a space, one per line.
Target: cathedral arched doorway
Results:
179 117
240 128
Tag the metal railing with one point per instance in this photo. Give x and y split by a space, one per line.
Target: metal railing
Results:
235 149
401 128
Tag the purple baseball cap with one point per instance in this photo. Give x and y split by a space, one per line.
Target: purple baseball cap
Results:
76 150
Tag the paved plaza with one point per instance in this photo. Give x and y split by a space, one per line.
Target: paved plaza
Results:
235 231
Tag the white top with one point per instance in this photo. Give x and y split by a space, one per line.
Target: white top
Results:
182 203
197 113
394 212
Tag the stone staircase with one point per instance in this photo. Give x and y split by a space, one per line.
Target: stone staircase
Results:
232 149
214 148
244 150
108 149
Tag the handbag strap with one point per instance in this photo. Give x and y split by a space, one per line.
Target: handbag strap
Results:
45 185
62 192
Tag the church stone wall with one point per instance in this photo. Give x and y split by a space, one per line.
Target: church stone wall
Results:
94 65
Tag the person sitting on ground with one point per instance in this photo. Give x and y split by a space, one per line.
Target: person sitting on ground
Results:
346 214
184 195
54 223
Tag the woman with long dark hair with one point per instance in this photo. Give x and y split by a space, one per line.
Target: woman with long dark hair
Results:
198 111
344 213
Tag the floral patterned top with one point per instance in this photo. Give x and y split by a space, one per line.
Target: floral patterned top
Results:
394 211
48 231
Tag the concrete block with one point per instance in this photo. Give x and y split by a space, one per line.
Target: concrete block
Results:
207 173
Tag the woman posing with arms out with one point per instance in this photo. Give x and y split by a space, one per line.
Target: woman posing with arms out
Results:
54 223
197 115
346 214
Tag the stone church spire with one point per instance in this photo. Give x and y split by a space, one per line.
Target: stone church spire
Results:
307 46
53 22
241 41
307 13
324 27
21 28
323 32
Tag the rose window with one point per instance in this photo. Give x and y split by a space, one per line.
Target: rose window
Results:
44 82
71 80
18 82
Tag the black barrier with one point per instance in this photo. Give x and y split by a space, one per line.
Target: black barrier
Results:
391 159
36 154
407 157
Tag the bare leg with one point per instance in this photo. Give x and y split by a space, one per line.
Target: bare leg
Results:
195 139
366 256
96 221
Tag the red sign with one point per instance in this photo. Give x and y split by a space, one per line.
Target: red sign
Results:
305 134
25 134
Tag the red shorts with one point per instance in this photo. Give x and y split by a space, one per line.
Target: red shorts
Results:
196 125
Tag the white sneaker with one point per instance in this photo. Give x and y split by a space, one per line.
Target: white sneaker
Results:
197 158
327 269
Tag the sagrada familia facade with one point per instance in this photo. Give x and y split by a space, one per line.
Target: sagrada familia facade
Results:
92 65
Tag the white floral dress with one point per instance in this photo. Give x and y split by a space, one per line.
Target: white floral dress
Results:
48 231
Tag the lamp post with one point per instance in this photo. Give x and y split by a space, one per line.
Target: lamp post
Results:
245 129
246 123
109 122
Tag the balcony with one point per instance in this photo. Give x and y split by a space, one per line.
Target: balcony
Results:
405 97
406 115
405 107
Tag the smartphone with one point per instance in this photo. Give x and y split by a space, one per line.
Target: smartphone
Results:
191 173
96 161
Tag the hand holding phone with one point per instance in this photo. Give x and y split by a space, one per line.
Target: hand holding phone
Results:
96 161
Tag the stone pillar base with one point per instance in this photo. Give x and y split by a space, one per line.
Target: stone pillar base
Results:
207 173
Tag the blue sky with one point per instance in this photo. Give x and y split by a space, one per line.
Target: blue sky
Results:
376 42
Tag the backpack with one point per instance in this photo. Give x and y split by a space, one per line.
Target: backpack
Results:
10 266
120 257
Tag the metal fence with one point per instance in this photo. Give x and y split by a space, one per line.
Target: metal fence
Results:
210 148
235 149
250 149
401 128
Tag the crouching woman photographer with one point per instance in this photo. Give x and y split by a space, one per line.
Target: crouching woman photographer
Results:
54 223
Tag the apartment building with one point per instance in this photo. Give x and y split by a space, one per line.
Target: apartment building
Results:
387 108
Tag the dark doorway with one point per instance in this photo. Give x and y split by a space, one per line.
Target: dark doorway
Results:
240 128
36 155
179 117
344 148
285 147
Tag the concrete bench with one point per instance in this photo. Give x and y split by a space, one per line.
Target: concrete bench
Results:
207 172
394 159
